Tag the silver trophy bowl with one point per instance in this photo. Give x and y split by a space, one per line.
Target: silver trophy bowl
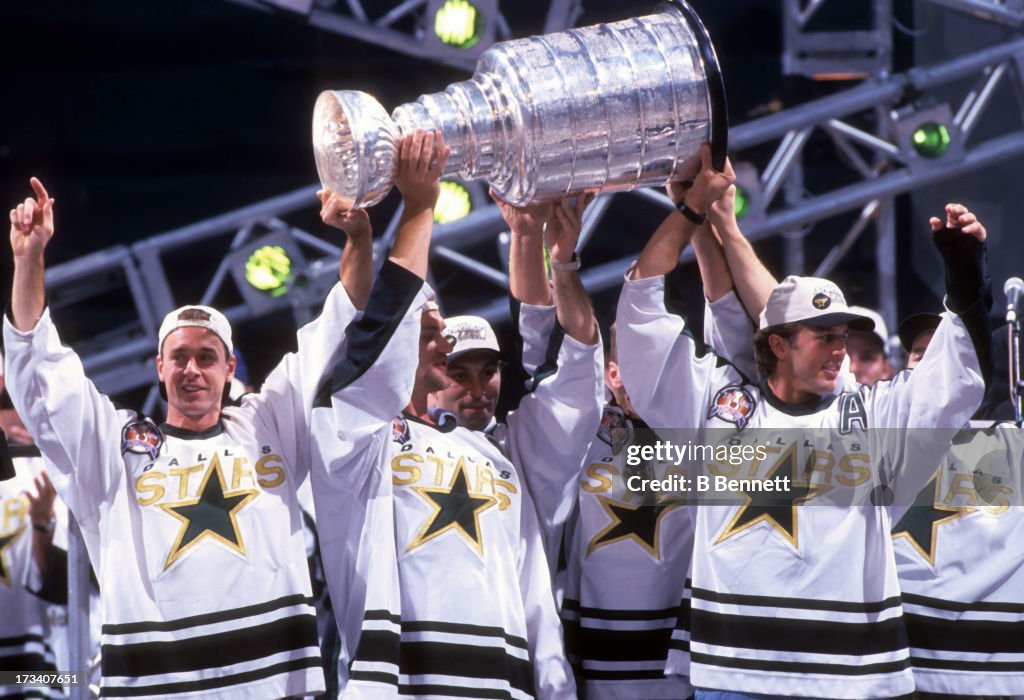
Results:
604 108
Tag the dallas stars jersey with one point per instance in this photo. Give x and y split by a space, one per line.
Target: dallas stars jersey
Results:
629 554
443 569
196 537
961 568
25 631
788 600
547 436
628 558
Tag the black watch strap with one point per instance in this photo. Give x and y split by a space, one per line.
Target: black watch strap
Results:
695 218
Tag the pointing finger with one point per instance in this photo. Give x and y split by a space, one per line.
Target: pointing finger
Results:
40 191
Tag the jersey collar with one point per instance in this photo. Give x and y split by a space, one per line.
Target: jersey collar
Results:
183 434
795 410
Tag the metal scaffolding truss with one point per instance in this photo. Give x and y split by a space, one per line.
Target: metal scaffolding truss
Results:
864 125
813 48
401 26
1008 12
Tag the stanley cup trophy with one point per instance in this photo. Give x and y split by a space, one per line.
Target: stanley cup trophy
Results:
603 108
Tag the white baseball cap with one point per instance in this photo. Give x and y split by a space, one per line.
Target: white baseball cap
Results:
881 331
467 333
195 315
811 300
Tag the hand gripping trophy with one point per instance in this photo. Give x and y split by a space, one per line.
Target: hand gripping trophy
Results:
603 108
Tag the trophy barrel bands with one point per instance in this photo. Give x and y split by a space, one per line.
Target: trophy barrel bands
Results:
603 108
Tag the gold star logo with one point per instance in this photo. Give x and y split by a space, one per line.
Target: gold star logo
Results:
455 509
640 524
779 509
213 515
920 525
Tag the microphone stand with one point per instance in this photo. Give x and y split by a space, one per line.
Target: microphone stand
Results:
1016 384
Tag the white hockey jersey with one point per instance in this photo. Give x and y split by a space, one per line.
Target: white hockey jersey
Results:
961 567
196 538
628 555
447 581
790 597
25 629
549 433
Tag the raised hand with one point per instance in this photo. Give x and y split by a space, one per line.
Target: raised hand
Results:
40 504
564 226
32 223
523 221
354 222
710 185
959 216
421 159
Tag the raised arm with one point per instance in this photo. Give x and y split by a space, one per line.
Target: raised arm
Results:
356 268
752 280
527 278
31 230
421 159
61 409
575 312
938 397
661 254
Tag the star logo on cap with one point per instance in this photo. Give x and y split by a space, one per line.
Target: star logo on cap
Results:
821 301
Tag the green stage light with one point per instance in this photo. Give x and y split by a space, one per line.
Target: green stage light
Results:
269 269
453 203
459 23
742 205
931 140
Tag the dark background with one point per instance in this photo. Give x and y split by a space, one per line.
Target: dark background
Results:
143 116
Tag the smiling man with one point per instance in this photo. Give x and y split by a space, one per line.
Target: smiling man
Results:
798 596
474 371
193 526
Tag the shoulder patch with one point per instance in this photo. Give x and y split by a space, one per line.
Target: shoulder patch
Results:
400 430
141 437
615 430
733 404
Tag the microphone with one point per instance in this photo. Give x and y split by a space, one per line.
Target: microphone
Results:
1013 289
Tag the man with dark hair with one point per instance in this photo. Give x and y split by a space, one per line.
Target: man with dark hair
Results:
192 526
434 555
869 350
787 600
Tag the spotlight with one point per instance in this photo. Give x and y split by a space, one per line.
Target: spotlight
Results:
931 140
267 269
463 28
458 23
927 136
742 202
749 192
454 202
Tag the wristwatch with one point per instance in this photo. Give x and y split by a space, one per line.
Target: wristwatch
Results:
694 218
573 264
